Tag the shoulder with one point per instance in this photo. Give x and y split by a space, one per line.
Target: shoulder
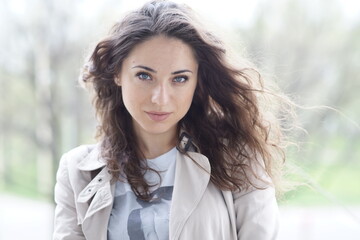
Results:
74 171
80 152
73 160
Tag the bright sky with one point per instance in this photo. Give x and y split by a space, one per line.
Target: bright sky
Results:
224 12
242 11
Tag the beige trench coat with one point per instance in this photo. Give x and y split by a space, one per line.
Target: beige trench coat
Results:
198 211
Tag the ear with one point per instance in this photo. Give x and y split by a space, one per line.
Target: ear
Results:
117 81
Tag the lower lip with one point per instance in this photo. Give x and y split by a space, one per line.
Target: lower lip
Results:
158 117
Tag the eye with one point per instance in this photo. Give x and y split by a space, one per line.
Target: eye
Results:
143 76
180 79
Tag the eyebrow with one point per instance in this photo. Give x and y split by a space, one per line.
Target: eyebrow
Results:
152 70
146 68
181 71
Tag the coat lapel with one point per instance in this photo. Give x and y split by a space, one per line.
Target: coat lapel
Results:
192 176
98 191
229 201
97 197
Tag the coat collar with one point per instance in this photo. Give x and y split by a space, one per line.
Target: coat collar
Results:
192 176
93 160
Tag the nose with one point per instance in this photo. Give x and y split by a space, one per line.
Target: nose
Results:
160 94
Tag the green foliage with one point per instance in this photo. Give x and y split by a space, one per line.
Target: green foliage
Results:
332 177
334 184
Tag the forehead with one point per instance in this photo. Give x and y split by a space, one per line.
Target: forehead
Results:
162 51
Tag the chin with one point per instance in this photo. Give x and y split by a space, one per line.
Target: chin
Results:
157 129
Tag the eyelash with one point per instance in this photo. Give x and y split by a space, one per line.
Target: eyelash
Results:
139 74
185 78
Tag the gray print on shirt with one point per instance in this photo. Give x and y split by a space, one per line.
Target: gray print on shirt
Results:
150 221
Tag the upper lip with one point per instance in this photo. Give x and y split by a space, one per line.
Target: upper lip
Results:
158 113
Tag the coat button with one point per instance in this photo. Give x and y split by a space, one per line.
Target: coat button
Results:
100 179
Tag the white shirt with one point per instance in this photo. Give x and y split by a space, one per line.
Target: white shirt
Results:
133 218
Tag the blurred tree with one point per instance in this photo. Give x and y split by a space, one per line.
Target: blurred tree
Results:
314 53
311 49
43 113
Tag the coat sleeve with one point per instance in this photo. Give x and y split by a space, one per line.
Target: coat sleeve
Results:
257 214
65 220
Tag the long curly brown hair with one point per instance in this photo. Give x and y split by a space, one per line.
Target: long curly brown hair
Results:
231 119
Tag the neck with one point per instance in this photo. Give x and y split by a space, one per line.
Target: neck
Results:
154 145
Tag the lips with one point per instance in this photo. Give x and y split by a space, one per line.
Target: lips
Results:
158 116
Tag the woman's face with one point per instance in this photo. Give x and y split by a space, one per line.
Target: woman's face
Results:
158 80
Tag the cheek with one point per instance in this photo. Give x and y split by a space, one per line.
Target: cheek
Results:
185 102
131 98
188 99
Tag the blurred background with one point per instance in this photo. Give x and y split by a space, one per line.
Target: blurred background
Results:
311 48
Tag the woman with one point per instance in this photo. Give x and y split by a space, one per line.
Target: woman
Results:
186 149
